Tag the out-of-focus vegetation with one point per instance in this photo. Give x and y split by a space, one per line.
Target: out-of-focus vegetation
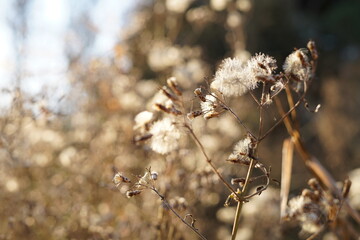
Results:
56 163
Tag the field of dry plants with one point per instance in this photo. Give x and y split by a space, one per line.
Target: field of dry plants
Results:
212 119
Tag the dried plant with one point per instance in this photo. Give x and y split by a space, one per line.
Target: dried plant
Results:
315 208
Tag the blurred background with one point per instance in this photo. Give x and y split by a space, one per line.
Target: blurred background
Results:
73 74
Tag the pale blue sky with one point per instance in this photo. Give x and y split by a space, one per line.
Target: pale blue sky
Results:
43 56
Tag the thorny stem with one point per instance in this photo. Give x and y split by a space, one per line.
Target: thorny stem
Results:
214 169
241 202
176 214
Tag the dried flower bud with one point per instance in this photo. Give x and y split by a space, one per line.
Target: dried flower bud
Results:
169 94
160 107
310 194
314 184
239 181
312 47
120 178
211 107
142 138
154 176
211 115
132 193
193 114
199 94
173 85
175 111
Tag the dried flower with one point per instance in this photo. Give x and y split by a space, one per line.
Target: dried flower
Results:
231 79
261 65
154 175
199 94
241 151
193 114
313 208
174 86
120 178
132 193
211 107
165 136
235 78
297 65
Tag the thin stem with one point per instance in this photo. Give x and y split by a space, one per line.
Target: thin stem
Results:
226 107
283 117
261 110
241 202
313 164
214 169
239 120
290 100
177 215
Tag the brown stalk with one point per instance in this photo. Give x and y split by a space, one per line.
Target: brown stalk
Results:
287 160
314 166
209 161
241 202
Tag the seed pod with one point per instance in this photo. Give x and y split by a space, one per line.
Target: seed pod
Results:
132 193
199 94
169 94
173 85
120 178
194 114
312 47
154 176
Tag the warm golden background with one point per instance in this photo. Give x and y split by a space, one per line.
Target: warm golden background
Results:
75 73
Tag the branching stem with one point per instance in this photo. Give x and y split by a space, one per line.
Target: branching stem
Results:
177 215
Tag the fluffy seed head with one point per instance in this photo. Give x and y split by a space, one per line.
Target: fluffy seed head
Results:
231 79
297 64
241 150
235 78
261 65
165 136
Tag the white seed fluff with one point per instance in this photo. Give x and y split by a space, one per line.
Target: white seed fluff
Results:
231 79
261 65
293 65
165 136
143 118
209 105
235 78
241 149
